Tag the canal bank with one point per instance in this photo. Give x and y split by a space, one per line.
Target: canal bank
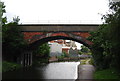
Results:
85 71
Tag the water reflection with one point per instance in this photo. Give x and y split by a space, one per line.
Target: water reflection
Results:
61 70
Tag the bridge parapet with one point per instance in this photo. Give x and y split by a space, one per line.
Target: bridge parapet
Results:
59 27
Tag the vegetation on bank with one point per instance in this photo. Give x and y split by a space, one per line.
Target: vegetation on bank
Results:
106 47
41 54
106 74
85 61
63 55
9 66
84 50
82 62
13 43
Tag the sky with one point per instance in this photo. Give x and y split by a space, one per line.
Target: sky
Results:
57 11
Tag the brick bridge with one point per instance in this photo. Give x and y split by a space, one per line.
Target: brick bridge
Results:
36 34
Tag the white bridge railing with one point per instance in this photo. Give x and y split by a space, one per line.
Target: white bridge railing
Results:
63 22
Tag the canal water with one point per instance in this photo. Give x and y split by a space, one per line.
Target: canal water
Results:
57 70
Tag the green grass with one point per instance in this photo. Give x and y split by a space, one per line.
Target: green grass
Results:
106 74
82 62
9 66
91 62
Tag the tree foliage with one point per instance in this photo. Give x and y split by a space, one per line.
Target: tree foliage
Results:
41 54
106 40
42 51
13 42
84 49
3 19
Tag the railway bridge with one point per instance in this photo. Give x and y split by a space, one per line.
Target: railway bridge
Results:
36 34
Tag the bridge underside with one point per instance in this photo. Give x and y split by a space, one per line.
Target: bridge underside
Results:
34 39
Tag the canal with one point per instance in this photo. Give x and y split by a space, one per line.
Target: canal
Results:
57 70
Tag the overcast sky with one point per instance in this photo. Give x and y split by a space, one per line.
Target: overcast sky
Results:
56 11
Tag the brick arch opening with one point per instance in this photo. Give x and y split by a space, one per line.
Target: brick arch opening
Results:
47 39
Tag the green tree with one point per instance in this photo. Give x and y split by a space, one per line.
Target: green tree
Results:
99 51
41 53
106 46
113 21
80 53
64 54
13 42
84 49
3 20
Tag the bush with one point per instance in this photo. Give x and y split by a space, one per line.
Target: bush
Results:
91 61
40 61
106 74
9 66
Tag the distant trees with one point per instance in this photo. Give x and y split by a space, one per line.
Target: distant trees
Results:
106 40
84 50
41 54
42 51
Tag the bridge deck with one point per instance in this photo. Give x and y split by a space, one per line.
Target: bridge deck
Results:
59 27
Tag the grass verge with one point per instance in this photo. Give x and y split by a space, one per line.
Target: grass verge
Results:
84 61
9 66
106 74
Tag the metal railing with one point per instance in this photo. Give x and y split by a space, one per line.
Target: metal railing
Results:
63 22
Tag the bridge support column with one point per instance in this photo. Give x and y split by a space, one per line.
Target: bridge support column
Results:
30 59
26 59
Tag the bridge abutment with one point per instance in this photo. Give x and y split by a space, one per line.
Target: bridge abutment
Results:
26 59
